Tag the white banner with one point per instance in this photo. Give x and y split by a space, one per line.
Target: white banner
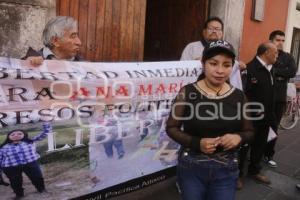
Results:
108 121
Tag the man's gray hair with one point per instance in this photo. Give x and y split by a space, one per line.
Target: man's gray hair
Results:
56 27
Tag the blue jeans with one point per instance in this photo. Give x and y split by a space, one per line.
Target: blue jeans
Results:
207 179
118 144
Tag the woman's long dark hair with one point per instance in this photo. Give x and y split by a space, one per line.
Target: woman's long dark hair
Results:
24 139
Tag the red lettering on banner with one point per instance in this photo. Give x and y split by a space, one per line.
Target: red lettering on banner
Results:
83 92
172 88
143 91
160 89
122 91
100 91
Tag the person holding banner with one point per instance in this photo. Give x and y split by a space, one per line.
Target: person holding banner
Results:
208 119
61 41
17 155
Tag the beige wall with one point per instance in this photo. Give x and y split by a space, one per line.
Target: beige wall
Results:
22 23
292 21
232 14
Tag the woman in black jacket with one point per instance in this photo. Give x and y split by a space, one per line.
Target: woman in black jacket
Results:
208 120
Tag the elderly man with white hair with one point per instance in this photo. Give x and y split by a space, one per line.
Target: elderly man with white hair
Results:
61 42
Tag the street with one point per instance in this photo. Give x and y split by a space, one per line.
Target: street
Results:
284 177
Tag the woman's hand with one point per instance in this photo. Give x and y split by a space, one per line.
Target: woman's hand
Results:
230 141
209 145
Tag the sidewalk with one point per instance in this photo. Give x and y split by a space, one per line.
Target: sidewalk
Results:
284 177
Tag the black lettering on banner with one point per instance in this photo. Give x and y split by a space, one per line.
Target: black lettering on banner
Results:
15 92
46 113
64 113
21 74
71 75
44 92
23 117
85 111
48 76
156 73
91 75
2 117
3 73
110 74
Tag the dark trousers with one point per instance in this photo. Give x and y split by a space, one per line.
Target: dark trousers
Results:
32 170
279 110
257 150
117 143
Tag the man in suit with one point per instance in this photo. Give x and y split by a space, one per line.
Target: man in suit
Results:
284 69
259 89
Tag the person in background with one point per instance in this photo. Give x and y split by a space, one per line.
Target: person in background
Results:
259 89
17 155
61 42
284 69
213 30
207 162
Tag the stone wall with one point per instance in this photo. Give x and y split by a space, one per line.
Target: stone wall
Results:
232 14
22 23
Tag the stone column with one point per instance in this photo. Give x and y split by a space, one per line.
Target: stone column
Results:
22 23
232 14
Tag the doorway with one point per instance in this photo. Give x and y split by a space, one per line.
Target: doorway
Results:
171 25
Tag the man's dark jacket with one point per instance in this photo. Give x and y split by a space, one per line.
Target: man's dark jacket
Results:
284 69
259 88
32 52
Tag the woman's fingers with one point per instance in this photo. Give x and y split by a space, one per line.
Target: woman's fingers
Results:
230 141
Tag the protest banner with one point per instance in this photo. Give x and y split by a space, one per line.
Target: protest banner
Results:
108 123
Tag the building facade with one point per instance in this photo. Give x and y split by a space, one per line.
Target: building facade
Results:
148 30
292 43
261 17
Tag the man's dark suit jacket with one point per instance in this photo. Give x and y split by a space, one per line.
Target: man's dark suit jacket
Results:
284 69
259 88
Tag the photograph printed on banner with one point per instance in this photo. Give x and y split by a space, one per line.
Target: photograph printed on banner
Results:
130 146
64 134
43 164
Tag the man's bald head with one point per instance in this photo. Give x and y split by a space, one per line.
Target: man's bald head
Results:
263 47
267 51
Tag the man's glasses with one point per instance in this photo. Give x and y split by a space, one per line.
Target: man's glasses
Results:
210 29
